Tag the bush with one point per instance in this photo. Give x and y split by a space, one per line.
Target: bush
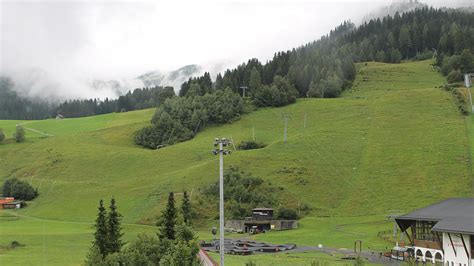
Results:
19 134
18 189
461 101
15 244
250 145
242 191
2 135
455 76
287 214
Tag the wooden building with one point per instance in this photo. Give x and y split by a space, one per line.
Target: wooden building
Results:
442 233
9 203
262 220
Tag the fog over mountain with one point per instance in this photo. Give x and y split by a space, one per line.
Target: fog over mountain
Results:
81 49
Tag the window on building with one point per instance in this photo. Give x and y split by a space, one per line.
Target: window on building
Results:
423 231
472 246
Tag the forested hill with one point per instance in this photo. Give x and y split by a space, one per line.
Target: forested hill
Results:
322 68
15 106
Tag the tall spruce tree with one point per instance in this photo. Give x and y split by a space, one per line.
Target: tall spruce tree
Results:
114 229
186 208
101 230
168 222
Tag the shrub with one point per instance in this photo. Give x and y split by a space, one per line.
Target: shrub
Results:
19 134
455 76
250 145
2 135
15 244
242 193
18 189
461 101
287 214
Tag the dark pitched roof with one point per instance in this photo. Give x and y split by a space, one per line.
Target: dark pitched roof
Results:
451 215
262 209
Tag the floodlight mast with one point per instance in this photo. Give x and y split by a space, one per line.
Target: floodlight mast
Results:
220 144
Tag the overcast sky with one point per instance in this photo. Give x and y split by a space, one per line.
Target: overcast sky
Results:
110 39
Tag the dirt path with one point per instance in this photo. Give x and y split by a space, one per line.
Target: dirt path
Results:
35 131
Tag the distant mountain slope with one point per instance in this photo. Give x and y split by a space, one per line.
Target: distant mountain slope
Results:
173 78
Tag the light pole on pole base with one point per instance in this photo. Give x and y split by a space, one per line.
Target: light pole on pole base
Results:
219 145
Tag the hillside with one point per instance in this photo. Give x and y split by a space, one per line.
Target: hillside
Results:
391 139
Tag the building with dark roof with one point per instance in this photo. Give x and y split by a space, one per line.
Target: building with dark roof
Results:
442 232
262 220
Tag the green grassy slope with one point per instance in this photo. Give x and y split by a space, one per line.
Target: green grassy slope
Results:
392 142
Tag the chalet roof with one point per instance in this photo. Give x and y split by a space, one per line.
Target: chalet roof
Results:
452 215
262 209
11 203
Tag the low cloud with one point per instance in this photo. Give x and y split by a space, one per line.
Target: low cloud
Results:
58 50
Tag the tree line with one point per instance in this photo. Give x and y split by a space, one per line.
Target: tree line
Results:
15 106
174 244
137 100
324 68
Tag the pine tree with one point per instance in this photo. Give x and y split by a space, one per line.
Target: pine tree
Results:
114 229
167 229
101 233
255 81
186 208
218 83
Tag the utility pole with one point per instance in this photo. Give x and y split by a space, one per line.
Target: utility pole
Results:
221 143
286 124
243 90
253 133
393 215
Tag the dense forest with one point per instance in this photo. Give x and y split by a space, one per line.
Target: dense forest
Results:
14 106
138 99
323 68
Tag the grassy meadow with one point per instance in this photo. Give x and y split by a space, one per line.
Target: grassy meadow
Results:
392 143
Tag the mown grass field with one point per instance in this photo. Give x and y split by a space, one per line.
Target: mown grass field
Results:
393 142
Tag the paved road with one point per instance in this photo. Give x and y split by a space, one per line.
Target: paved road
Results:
368 255
373 258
